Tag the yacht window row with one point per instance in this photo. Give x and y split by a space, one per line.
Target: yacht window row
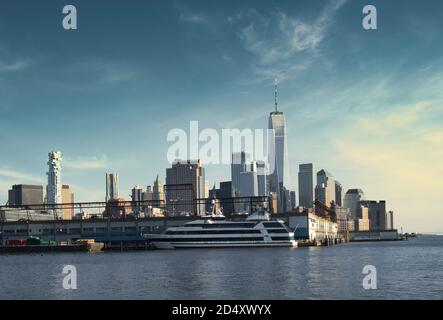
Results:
248 231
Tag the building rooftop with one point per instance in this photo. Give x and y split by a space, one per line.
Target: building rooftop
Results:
325 173
355 191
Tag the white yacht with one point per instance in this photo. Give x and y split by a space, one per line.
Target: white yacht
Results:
257 230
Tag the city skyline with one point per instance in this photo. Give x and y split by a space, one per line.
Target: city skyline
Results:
369 112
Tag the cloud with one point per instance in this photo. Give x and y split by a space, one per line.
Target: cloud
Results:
191 17
9 177
108 72
19 177
16 66
284 45
86 163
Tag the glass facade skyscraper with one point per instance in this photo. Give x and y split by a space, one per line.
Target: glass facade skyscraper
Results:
278 157
307 180
325 189
352 201
238 165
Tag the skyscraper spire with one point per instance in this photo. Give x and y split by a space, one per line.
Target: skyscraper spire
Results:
275 94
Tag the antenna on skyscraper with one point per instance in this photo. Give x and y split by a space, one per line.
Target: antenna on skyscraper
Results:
275 94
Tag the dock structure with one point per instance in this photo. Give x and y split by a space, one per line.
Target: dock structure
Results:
114 232
112 229
375 235
127 230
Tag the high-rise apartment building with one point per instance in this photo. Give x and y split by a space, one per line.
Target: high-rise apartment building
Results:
54 187
111 186
307 181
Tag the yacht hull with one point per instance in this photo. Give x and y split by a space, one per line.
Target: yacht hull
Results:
222 244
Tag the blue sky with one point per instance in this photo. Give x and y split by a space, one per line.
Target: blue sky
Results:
365 105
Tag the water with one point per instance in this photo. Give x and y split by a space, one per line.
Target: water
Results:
410 269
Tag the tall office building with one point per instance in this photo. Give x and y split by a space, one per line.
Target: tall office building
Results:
261 178
137 196
24 195
378 217
238 165
293 200
390 225
213 203
338 193
147 198
352 201
248 186
54 187
206 193
361 221
67 197
185 182
225 197
111 186
286 200
278 154
148 194
325 189
158 193
214 193
307 181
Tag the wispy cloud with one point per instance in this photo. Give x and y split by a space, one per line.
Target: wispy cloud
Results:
192 17
284 45
15 66
93 74
107 72
85 163
19 177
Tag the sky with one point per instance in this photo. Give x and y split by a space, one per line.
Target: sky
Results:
366 105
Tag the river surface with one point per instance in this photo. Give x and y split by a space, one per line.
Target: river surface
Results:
410 269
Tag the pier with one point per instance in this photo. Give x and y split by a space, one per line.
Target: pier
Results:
125 232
